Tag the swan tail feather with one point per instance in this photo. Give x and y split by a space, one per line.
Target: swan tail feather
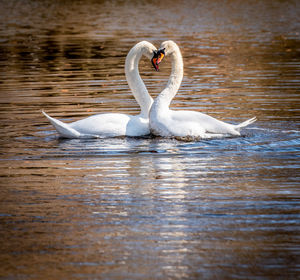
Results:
63 129
245 123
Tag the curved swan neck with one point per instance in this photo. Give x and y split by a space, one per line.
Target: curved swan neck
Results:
176 76
134 79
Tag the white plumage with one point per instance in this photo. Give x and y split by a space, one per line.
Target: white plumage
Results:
116 124
167 123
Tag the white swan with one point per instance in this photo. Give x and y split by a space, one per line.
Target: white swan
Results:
167 123
115 124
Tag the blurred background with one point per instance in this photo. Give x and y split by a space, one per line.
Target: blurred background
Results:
149 208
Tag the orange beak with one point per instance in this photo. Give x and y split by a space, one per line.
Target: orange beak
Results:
157 58
160 58
154 63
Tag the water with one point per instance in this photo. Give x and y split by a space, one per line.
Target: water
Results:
149 208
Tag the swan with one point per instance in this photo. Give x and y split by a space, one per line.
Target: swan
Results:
170 123
116 124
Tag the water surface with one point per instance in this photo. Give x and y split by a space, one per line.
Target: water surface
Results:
149 208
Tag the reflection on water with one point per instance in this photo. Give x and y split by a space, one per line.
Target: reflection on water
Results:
144 208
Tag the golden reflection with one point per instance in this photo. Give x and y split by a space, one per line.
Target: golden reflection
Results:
140 208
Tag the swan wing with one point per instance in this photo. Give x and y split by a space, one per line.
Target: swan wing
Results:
200 123
104 125
63 129
245 123
112 124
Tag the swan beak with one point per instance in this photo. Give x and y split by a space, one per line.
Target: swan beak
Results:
157 58
160 58
154 63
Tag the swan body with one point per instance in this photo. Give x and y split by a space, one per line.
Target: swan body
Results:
166 122
102 125
116 124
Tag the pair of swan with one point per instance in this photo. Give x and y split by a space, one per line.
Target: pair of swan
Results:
155 116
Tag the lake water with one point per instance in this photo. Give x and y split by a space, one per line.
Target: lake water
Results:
149 208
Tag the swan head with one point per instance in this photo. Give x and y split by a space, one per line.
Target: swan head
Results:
166 48
169 46
157 58
142 48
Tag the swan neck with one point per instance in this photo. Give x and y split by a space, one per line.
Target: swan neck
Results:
175 79
135 81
